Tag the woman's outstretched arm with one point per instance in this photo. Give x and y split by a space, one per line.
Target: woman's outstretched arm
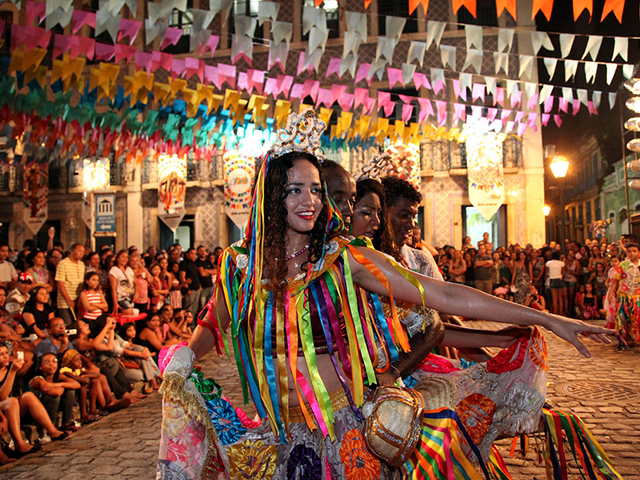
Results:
468 302
203 338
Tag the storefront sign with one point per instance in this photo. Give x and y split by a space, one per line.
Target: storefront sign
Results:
238 180
484 170
36 190
172 189
105 215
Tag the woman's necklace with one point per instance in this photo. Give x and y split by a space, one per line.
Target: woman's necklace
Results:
298 253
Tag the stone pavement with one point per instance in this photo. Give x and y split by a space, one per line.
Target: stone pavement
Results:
603 390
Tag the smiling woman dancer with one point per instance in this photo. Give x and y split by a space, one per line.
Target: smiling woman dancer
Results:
302 305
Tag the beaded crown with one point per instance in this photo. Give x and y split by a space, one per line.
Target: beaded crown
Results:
302 134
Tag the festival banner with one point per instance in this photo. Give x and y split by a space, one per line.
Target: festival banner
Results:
36 190
238 179
484 171
172 189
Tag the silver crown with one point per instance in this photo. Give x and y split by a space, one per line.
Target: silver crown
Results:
302 134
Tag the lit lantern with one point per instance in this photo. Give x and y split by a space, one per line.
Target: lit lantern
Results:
546 210
633 104
559 166
634 145
634 165
633 85
633 124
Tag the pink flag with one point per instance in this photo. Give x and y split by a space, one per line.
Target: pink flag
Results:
491 114
456 90
336 92
558 120
509 126
519 116
426 109
516 99
437 88
499 98
504 115
406 98
296 91
124 52
407 111
421 80
368 105
545 119
195 66
227 73
441 108
271 87
161 60
478 92
211 75
564 105
323 97
592 110
178 68
104 52
310 88
388 109
284 83
363 70
359 96
81 18
576 106
533 101
395 76
171 37
531 122
211 45
143 60
242 81
255 79
61 44
30 37
383 99
37 10
548 104
81 45
521 128
459 112
334 67
129 28
346 101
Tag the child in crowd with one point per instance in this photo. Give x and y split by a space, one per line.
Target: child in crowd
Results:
89 380
589 304
626 285
610 305
91 297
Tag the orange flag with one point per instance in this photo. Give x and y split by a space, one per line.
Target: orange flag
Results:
615 6
509 5
413 4
580 5
470 4
544 6
367 3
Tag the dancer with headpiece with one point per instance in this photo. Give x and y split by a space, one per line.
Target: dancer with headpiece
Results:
309 334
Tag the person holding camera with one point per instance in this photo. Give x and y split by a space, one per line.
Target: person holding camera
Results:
58 341
534 300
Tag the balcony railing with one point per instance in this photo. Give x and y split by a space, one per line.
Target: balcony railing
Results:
444 155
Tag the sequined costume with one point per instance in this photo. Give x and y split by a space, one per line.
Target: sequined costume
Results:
628 317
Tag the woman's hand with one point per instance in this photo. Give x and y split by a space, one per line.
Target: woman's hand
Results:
569 329
17 364
116 307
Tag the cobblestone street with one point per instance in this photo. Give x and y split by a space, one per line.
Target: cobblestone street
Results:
603 391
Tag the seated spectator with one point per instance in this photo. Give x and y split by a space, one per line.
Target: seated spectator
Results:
534 300
153 337
179 325
11 333
146 369
37 313
15 406
91 298
56 391
57 342
97 342
17 298
39 272
8 273
175 286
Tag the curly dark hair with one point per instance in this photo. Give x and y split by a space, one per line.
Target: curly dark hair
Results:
382 240
275 218
396 188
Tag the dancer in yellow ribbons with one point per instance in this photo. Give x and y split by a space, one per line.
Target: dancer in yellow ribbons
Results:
308 330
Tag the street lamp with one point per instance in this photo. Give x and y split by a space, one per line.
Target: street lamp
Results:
559 166
546 210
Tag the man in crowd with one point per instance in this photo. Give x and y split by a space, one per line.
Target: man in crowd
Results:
8 273
57 342
69 277
17 299
342 189
483 267
189 275
207 273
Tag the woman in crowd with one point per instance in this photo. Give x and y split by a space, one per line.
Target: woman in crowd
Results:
121 279
470 271
94 264
599 281
14 405
570 278
141 283
39 272
521 274
458 267
175 290
556 270
537 269
298 249
55 390
37 313
369 213
91 297
159 288
497 269
597 257
11 332
148 369
153 337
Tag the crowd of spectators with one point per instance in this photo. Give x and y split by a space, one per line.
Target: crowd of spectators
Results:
80 331
575 282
